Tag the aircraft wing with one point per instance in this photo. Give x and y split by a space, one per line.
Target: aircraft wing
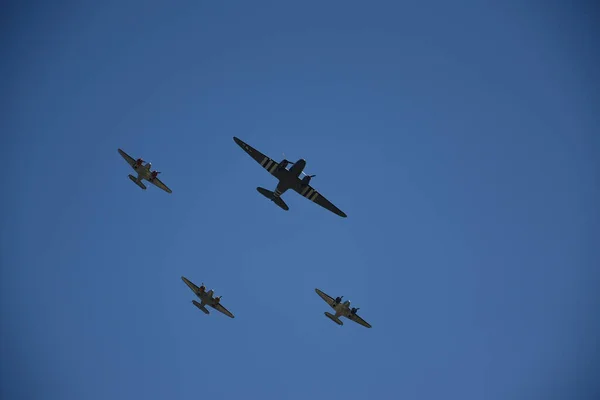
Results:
219 307
267 163
310 193
359 320
158 183
190 285
127 158
328 299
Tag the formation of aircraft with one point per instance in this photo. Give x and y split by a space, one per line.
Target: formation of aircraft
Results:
288 179
144 171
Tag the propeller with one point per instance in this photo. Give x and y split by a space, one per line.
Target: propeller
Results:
311 176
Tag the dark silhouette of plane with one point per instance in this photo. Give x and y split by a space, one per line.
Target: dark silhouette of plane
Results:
288 179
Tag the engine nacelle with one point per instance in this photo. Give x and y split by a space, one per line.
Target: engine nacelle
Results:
306 180
202 289
217 300
353 311
283 164
154 174
338 300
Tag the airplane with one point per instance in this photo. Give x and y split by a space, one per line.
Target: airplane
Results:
288 179
341 310
206 298
143 172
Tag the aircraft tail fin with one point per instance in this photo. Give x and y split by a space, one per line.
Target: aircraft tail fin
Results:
333 318
139 183
269 195
200 306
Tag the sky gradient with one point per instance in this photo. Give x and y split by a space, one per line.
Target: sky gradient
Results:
460 138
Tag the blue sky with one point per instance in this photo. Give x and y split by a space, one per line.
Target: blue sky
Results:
459 138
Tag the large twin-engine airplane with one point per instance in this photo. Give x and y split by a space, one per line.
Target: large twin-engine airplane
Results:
288 179
206 298
143 172
341 310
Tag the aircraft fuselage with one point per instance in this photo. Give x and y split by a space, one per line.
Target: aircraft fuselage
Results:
144 171
206 297
289 178
342 309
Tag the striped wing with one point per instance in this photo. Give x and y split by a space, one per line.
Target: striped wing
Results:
267 163
310 193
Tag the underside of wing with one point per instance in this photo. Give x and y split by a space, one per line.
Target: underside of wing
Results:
359 320
267 163
158 183
222 309
310 193
190 284
328 299
127 158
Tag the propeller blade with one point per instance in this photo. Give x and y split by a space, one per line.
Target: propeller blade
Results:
312 176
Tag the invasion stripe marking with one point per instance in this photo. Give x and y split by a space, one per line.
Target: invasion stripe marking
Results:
273 168
306 189
269 164
314 197
264 161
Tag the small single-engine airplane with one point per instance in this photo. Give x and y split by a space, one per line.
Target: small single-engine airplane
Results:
143 172
341 310
288 179
206 298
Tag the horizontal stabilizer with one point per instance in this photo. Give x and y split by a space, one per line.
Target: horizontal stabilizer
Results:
134 180
200 306
333 318
269 195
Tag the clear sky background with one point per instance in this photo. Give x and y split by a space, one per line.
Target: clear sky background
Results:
460 138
